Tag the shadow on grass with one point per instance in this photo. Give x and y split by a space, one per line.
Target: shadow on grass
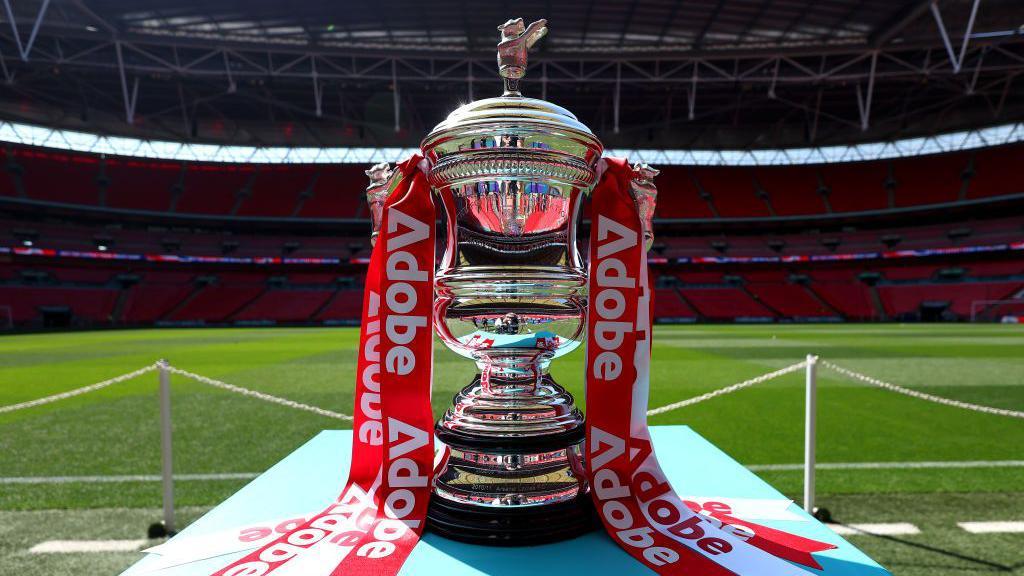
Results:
982 564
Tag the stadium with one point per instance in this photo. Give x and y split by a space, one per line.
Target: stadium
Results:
184 222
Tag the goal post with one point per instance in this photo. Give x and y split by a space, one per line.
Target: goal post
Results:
6 318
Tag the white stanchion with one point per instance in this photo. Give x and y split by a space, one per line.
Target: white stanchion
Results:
810 430
166 446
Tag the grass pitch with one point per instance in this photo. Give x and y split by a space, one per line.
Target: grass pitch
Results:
115 431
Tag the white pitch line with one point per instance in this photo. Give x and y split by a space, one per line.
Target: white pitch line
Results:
129 478
753 467
897 529
890 465
73 546
992 527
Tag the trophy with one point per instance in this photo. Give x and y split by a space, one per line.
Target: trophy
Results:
509 174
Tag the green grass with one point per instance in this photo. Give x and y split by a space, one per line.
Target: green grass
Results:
115 430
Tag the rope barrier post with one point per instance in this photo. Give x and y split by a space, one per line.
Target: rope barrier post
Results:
810 431
166 452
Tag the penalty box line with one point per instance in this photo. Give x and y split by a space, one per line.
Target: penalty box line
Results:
753 467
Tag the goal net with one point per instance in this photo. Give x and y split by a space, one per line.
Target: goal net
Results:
1010 311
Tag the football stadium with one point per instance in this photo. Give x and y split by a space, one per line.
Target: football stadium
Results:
189 209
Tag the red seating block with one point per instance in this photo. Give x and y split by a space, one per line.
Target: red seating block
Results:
212 189
89 304
285 305
346 305
678 197
147 303
791 300
732 191
793 190
138 185
907 298
725 303
851 298
668 304
217 303
996 172
856 186
339 192
928 179
275 191
56 177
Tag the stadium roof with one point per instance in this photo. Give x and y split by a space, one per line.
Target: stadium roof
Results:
672 74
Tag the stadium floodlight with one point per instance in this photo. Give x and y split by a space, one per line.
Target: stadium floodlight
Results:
70 140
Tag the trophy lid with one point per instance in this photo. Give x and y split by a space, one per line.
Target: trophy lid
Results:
504 109
513 127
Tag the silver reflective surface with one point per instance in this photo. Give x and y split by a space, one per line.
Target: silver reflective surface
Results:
489 479
510 174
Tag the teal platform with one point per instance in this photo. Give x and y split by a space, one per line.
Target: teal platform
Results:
312 476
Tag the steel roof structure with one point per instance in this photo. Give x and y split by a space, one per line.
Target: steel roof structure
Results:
669 74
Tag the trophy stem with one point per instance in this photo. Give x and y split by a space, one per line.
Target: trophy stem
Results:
512 471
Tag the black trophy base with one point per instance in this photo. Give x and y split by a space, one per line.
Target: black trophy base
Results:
510 526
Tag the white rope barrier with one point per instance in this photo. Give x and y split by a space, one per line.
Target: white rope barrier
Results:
259 395
202 379
921 395
652 412
78 391
727 390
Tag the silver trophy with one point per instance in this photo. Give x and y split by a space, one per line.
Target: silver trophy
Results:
511 294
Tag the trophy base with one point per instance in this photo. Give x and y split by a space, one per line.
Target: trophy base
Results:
511 526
